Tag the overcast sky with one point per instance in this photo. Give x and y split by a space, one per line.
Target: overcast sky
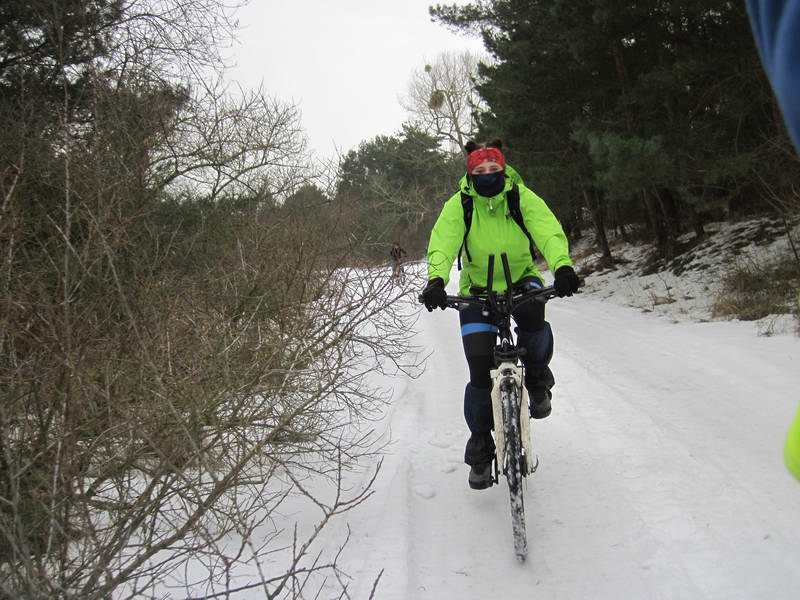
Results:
345 62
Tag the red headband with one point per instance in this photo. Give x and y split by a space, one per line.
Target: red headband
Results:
482 155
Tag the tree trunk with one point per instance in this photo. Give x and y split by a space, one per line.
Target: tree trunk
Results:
619 225
572 226
656 219
596 211
666 203
669 206
697 223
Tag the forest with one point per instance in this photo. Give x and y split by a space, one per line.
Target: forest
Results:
641 119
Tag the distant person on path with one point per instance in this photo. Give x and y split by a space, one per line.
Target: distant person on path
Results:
492 192
397 254
776 28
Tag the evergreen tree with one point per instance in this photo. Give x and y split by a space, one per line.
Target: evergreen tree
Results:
637 112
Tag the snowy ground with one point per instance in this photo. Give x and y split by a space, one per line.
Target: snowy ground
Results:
687 288
661 472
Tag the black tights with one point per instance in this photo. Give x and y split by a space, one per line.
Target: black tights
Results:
478 336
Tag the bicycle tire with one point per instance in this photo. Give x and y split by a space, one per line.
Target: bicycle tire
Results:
513 468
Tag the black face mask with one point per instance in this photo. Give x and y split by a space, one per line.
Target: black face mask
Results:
489 184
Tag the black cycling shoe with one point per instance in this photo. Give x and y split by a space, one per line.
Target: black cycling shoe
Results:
480 476
540 402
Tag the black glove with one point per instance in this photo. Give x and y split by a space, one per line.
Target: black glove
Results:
566 281
434 294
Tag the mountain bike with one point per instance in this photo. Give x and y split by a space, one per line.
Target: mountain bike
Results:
514 455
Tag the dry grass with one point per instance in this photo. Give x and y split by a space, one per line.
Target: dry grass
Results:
754 289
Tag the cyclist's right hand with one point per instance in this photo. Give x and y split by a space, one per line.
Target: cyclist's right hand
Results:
434 294
566 281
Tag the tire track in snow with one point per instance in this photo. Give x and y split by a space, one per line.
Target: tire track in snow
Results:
660 476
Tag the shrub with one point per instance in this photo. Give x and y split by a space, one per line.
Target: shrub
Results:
753 289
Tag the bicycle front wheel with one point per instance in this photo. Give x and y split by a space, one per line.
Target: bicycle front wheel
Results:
510 399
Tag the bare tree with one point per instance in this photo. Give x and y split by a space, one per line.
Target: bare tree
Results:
225 145
164 40
442 99
178 357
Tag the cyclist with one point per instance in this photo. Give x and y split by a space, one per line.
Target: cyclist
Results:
397 254
487 185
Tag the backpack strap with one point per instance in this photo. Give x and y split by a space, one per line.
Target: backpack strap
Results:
467 206
512 199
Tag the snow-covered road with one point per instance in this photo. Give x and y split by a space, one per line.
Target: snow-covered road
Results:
660 476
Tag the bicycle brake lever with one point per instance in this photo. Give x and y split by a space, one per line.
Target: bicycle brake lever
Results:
545 298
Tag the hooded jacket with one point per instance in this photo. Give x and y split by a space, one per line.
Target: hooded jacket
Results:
776 29
493 231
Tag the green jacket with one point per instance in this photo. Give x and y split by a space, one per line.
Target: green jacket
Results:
493 231
515 177
791 452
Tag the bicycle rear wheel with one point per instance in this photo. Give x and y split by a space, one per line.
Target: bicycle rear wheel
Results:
513 468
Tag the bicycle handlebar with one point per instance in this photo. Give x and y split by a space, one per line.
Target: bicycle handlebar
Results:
539 294
505 302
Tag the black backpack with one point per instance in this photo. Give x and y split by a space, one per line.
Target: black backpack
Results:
512 199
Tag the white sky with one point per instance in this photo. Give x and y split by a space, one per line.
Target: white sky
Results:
345 62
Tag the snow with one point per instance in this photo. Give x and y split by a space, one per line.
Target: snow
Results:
660 476
688 289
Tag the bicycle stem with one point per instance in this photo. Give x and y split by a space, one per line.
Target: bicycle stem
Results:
509 283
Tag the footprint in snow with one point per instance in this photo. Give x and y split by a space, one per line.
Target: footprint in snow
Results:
442 439
439 443
425 491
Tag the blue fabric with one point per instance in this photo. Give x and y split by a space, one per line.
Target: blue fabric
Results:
538 344
533 284
478 409
470 328
776 28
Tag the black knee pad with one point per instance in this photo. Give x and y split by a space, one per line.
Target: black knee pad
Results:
539 377
478 409
538 353
538 346
480 449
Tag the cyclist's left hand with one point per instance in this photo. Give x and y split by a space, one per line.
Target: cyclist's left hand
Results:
566 281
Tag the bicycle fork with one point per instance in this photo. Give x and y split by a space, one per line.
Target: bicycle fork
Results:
510 374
